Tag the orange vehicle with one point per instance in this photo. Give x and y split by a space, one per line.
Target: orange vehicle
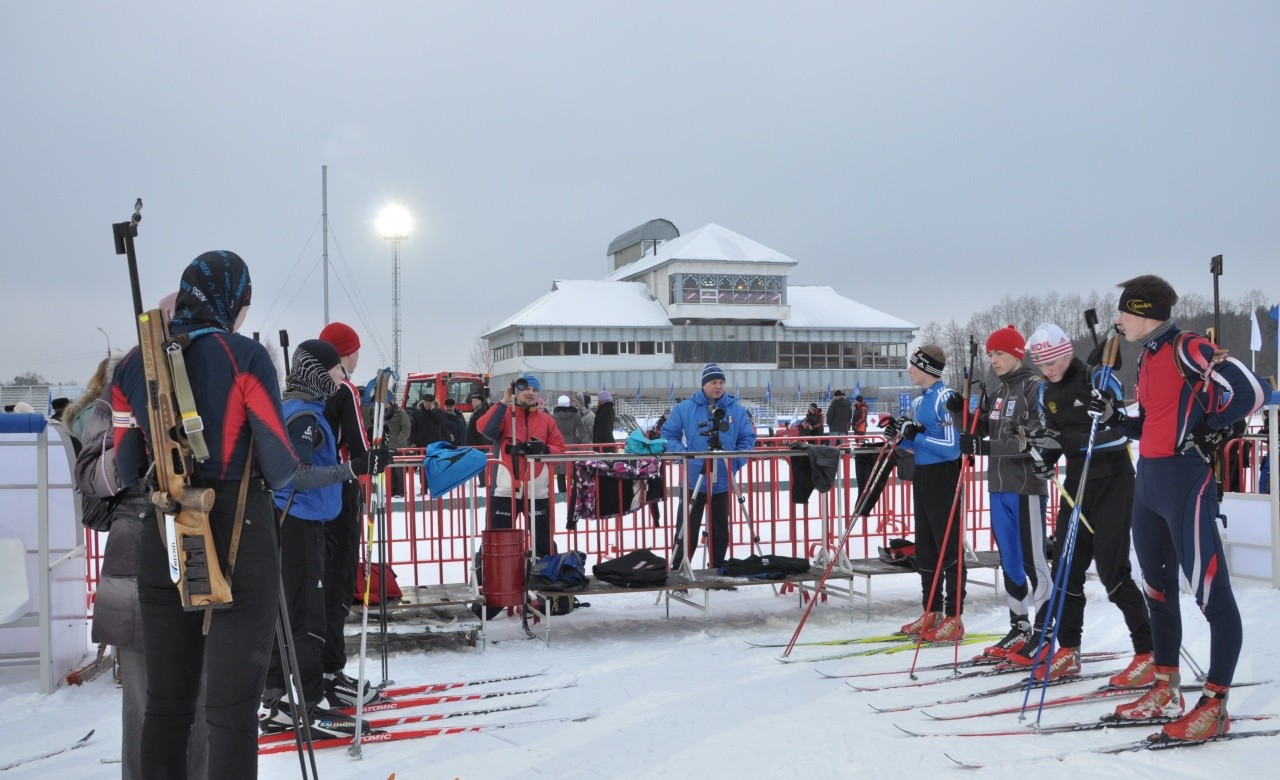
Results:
458 385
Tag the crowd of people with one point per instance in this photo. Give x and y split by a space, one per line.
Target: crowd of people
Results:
290 472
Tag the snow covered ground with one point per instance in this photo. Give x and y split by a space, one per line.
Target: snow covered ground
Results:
673 700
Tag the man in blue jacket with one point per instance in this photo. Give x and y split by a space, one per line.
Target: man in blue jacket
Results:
709 420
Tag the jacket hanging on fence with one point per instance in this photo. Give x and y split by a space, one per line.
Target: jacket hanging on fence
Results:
605 489
817 469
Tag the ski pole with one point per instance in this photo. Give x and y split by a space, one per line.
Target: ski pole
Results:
1059 593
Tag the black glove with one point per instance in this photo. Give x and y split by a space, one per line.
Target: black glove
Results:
373 461
534 447
910 428
1095 357
970 444
1103 408
890 426
1206 439
1042 439
954 403
1044 467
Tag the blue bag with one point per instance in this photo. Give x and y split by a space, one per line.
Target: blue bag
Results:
448 466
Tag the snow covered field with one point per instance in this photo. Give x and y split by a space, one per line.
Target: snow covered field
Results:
672 700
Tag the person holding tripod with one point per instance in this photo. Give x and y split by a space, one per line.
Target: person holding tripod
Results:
709 421
518 427
932 435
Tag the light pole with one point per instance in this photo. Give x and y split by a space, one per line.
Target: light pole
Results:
394 225
108 338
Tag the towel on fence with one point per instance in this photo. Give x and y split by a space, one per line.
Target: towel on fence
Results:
817 468
605 489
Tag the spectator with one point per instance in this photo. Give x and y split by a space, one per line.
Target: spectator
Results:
574 431
455 423
602 427
860 412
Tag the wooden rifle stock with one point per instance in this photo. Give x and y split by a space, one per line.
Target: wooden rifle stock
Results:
199 576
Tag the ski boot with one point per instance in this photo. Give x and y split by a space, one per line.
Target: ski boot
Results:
926 621
1013 642
1064 663
340 690
1208 719
950 629
1140 673
1164 700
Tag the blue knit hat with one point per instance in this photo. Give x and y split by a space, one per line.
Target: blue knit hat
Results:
533 382
712 371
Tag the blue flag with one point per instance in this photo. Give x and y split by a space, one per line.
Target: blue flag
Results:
637 392
828 398
797 391
768 393
857 389
671 392
1275 315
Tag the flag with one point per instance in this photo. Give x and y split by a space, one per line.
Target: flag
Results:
828 396
1255 333
797 391
857 389
671 392
768 393
637 392
1275 315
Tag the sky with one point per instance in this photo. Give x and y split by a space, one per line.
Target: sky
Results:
922 158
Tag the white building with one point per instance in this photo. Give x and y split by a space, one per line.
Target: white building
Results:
672 303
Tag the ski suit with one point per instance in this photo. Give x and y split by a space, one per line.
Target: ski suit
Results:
505 426
1175 505
342 535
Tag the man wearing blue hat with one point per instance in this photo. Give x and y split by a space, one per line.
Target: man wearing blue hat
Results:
518 427
710 419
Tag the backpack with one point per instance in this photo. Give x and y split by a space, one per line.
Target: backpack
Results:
559 572
377 572
636 569
765 567
900 552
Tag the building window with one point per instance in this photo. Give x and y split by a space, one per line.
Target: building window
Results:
726 289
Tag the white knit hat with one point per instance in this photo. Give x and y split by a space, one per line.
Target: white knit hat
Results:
562 400
1048 344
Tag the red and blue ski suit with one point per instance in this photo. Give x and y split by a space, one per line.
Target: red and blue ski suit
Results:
1176 500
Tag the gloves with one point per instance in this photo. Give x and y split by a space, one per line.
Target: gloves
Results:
890 426
971 444
1042 439
373 461
1044 467
1103 408
910 428
954 403
1095 357
1206 439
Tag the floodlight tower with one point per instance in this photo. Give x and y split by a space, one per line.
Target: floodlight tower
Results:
394 225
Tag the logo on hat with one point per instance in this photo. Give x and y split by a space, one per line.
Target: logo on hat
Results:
1138 306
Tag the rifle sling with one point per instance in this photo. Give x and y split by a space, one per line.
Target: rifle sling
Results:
238 526
192 424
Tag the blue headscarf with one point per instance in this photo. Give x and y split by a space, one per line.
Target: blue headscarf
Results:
213 290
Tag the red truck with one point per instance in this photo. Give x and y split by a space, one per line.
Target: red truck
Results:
458 385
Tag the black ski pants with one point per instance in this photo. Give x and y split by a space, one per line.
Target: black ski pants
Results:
719 540
504 509
233 657
1108 506
341 559
302 549
933 491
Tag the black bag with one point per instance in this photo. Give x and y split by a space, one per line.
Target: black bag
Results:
900 552
96 513
770 567
636 569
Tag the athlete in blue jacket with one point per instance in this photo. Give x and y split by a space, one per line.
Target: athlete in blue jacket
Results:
1183 414
710 417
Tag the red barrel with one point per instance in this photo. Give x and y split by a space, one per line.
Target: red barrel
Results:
505 553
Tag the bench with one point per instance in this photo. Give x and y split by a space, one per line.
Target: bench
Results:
867 568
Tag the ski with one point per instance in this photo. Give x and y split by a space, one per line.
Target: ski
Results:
998 669
1018 687
1107 722
404 720
1079 698
79 743
402 734
429 701
862 640
967 664
896 647
411 690
1131 747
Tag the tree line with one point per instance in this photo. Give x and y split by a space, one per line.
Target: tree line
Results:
1193 312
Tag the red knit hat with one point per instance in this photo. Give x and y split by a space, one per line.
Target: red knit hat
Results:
1009 340
342 337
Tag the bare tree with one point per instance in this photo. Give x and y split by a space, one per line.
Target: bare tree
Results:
481 357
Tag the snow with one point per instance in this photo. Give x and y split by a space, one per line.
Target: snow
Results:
671 699
820 306
709 242
592 303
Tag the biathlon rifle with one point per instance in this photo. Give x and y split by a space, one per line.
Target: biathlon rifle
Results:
177 438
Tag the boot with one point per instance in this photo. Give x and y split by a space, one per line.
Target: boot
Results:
950 629
1140 673
1164 700
340 690
1208 719
1014 641
926 621
1064 663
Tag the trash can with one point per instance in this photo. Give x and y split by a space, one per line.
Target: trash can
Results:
504 559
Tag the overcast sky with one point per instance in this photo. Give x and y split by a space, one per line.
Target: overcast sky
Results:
924 158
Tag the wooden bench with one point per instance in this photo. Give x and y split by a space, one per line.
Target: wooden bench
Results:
867 568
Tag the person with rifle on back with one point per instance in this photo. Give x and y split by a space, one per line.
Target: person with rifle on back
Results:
1184 413
235 388
1107 504
933 436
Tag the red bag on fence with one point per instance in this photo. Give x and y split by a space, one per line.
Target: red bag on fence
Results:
378 572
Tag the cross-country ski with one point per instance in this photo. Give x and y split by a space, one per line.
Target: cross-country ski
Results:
398 735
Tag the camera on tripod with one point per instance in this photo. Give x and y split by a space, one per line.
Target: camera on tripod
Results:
713 428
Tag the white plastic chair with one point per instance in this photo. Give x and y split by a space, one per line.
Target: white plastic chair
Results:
15 591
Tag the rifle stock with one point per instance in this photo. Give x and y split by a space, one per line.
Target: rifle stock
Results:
193 558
